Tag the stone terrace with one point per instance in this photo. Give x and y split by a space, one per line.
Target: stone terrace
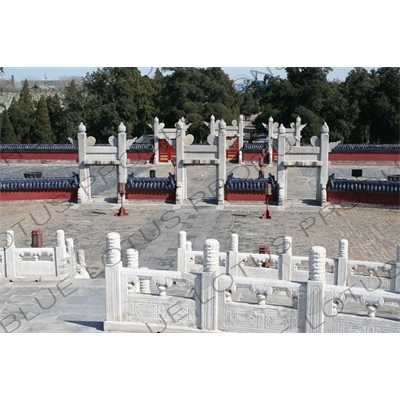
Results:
373 232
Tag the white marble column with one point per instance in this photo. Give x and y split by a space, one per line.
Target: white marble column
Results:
315 318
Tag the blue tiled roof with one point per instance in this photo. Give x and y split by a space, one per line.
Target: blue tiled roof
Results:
48 148
49 183
141 147
150 183
251 184
254 147
367 148
61 148
374 186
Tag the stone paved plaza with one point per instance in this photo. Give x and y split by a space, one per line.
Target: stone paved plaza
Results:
152 228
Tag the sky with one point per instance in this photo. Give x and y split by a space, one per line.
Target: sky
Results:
235 73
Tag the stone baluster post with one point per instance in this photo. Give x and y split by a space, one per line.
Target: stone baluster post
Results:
61 260
84 170
315 317
232 258
132 261
189 261
113 277
81 263
212 125
285 260
206 297
220 189
181 252
132 258
322 177
10 258
298 130
340 273
122 168
70 254
395 273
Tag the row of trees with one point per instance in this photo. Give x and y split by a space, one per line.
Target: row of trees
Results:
363 109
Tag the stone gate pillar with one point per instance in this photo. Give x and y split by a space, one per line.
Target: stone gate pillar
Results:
270 141
156 126
180 167
84 170
241 132
122 168
322 177
281 169
221 174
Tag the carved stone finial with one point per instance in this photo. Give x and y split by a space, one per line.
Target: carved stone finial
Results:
211 255
81 127
343 248
179 125
212 118
121 128
287 245
60 238
270 119
10 238
317 263
234 242
181 239
222 124
188 245
69 246
325 128
113 248
281 129
240 117
156 120
132 258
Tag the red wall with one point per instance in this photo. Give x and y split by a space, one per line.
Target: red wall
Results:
243 195
140 156
254 157
392 199
5 156
150 194
70 195
371 157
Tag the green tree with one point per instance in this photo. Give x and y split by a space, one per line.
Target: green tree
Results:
56 117
196 94
385 106
118 95
16 116
7 134
74 111
42 128
26 114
